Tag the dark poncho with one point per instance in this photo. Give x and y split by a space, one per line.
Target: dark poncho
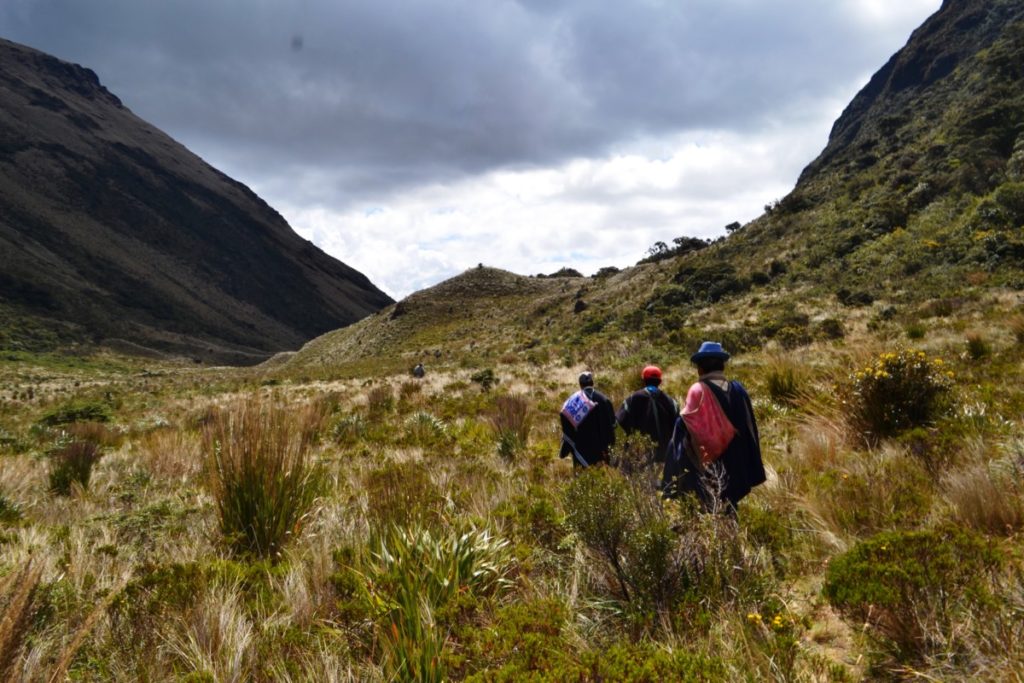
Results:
741 460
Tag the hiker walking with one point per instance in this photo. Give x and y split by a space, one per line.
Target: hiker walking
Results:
715 449
588 425
650 411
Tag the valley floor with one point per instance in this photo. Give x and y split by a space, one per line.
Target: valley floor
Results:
443 539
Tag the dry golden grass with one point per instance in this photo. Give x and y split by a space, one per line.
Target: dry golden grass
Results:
987 496
18 597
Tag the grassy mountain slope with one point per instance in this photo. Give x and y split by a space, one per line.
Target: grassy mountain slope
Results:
918 197
108 224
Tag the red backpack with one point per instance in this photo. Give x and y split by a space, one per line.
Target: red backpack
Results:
707 423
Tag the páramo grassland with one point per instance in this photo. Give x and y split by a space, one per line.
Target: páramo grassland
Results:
165 521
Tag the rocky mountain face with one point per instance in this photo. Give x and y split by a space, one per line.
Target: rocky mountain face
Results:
920 188
110 231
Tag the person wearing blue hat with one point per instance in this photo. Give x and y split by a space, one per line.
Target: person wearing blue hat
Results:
588 425
715 450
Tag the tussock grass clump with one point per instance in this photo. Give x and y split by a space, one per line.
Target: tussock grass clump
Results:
10 511
901 389
977 346
912 588
424 429
511 421
380 401
1017 328
402 493
77 411
415 574
348 429
784 380
71 464
15 619
262 473
987 497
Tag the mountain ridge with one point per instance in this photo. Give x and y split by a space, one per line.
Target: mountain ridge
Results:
111 225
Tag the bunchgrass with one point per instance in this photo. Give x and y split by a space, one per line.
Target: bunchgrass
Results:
262 473
511 421
71 464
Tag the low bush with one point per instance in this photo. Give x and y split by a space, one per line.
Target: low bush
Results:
485 378
71 464
262 474
830 329
77 411
10 512
901 389
656 555
915 331
911 588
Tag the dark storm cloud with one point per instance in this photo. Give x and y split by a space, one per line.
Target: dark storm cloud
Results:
375 95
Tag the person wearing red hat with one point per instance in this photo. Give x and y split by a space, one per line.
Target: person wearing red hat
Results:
650 411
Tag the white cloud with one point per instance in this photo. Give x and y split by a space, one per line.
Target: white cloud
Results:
584 214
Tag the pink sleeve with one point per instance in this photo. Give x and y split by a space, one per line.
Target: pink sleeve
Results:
693 399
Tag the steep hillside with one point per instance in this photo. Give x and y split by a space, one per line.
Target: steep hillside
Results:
914 209
110 230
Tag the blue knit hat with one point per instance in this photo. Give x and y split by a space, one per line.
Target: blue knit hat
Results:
709 349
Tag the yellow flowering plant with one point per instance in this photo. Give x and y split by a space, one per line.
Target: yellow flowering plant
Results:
900 389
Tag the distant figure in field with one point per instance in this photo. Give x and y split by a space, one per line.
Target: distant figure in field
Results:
418 371
588 425
650 411
715 449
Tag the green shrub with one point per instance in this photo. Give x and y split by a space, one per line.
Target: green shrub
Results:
656 555
643 662
901 389
77 411
912 588
348 429
830 329
485 378
71 463
915 331
262 474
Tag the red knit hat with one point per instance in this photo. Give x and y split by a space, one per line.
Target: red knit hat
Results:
651 372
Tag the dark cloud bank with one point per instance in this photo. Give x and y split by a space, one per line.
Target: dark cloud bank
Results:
372 96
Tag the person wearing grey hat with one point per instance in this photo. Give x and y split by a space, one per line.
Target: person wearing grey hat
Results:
735 466
588 424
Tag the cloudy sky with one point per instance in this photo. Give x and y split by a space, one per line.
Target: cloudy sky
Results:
413 139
